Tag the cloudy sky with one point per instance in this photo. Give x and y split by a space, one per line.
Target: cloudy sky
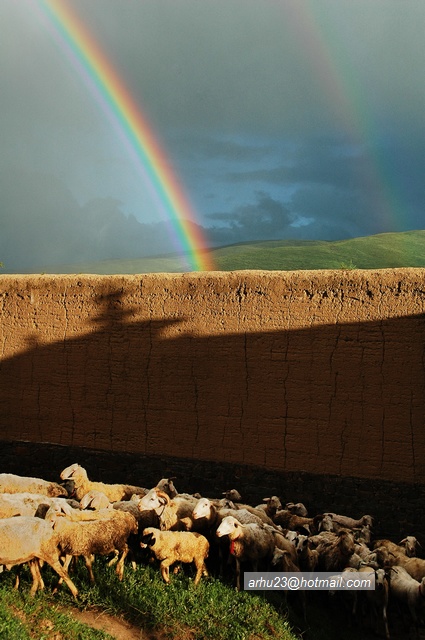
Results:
280 119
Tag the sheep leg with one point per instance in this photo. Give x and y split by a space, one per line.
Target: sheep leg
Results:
238 574
120 566
385 622
66 561
37 580
62 572
165 570
114 559
89 564
16 585
200 569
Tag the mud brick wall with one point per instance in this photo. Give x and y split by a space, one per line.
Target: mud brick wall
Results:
318 373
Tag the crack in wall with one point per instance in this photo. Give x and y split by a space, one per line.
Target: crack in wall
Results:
345 346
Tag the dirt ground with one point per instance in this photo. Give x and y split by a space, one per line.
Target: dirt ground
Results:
116 627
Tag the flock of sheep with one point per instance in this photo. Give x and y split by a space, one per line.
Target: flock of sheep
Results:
43 521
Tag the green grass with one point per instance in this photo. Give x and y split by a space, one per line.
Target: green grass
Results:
385 250
40 618
179 611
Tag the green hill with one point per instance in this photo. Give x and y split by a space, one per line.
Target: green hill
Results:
380 251
372 252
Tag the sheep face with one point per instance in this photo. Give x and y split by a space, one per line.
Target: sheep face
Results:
229 527
202 509
292 536
273 503
297 509
326 523
167 486
410 543
381 580
153 501
148 539
301 544
233 495
69 486
282 561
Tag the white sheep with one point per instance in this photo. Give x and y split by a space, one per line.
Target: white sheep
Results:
11 483
346 522
251 542
408 591
171 513
170 547
308 558
376 600
26 504
83 485
208 517
95 500
415 567
25 539
213 515
289 520
106 534
408 546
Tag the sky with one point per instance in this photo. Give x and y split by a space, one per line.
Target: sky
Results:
279 119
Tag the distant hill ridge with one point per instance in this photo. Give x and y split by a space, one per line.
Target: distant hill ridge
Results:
384 250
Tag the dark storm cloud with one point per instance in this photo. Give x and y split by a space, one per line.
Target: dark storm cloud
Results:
263 219
281 119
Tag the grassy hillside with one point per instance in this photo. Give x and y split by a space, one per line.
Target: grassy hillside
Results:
372 252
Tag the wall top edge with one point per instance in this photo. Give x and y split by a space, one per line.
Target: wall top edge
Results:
351 274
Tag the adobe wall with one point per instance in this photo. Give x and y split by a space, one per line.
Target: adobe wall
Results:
319 372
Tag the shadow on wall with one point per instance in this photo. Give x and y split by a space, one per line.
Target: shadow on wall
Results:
336 399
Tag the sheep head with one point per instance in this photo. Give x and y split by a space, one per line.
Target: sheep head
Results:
167 486
95 500
410 543
202 509
74 472
346 542
148 538
273 503
229 527
154 500
233 495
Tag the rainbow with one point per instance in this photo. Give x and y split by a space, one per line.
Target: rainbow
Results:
132 125
324 52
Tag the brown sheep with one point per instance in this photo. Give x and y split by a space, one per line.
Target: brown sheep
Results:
335 555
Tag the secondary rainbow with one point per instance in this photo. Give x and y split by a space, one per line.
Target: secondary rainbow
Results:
323 49
132 125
